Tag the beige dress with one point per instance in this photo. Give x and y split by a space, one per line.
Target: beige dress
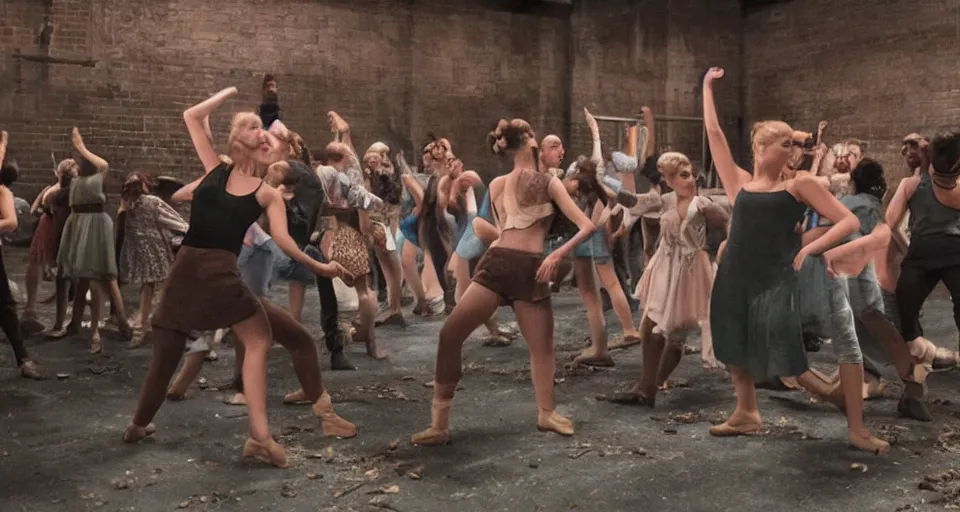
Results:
675 288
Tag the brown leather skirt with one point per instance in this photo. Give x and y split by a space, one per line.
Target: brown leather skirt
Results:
204 292
512 274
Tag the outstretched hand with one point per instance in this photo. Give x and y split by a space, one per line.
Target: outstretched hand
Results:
4 137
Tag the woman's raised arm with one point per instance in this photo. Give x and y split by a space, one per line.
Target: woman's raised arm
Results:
197 119
731 175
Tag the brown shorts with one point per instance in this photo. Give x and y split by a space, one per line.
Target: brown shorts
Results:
512 274
204 292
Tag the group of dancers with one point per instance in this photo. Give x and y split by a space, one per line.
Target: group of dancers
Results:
807 252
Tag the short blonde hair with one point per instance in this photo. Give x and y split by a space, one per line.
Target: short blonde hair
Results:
765 133
671 163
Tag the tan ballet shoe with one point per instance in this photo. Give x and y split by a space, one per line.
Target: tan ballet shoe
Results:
332 424
863 441
270 452
298 397
431 437
135 433
550 421
438 434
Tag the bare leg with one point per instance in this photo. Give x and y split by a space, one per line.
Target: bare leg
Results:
296 291
61 306
461 272
597 353
536 325
116 301
96 309
707 357
644 391
670 359
142 317
410 274
33 284
392 273
256 336
191 369
431 283
745 419
367 313
608 277
476 306
390 263
851 379
79 304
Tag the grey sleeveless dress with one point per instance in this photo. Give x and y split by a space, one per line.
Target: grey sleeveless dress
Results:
754 307
87 244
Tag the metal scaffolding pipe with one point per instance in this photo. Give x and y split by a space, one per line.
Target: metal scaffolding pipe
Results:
616 119
676 118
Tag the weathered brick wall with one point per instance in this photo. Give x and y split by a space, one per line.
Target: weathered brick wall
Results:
395 69
874 70
631 53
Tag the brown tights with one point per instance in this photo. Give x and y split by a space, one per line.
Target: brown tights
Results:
254 335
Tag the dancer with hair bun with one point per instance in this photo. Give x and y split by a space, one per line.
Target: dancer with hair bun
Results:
513 271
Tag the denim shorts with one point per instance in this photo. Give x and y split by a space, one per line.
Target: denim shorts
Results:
256 266
595 247
288 269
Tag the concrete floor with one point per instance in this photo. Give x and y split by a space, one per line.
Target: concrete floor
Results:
60 445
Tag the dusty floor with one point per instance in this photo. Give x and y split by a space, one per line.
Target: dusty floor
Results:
60 443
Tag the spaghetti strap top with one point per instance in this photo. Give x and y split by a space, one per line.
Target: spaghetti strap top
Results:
527 204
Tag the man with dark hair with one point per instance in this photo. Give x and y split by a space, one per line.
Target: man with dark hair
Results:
269 109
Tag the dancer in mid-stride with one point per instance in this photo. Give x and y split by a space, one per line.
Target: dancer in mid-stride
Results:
205 292
512 271
754 320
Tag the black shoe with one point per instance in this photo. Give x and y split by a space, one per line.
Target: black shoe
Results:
338 361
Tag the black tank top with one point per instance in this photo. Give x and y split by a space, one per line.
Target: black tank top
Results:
218 219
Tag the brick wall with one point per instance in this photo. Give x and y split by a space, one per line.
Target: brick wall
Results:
395 69
875 70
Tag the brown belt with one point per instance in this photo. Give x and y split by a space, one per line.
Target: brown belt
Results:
87 208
